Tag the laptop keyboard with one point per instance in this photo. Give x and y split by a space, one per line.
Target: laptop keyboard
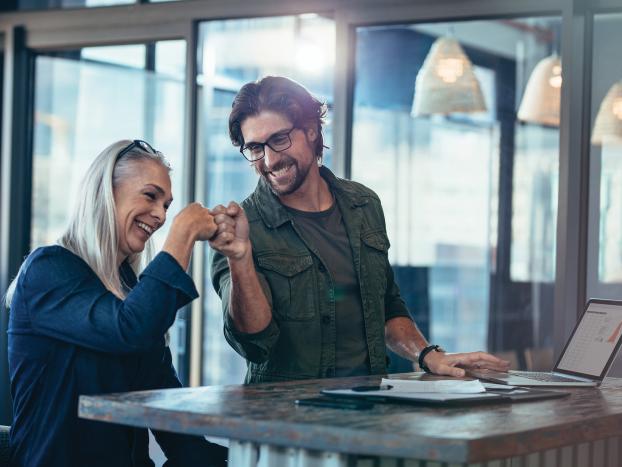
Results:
544 376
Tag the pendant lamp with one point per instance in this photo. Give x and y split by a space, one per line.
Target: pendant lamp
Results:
446 82
608 124
542 95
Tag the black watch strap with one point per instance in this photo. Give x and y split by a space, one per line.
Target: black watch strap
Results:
424 352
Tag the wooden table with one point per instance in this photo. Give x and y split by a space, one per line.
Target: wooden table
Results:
267 429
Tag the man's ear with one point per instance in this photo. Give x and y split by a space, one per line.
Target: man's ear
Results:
311 133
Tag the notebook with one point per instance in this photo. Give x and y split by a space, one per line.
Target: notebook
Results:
586 358
386 395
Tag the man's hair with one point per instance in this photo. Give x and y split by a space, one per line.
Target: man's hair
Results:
281 95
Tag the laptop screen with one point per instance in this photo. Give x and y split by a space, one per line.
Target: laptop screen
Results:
595 340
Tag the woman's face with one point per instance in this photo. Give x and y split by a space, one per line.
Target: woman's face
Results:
141 199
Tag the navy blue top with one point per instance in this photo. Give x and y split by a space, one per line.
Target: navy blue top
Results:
69 335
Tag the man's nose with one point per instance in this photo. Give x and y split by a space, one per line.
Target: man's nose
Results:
270 156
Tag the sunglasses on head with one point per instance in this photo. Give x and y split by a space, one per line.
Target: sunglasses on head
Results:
137 143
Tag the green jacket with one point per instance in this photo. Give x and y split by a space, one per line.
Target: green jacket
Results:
299 342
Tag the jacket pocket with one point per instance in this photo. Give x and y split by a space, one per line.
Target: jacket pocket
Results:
291 282
377 240
375 260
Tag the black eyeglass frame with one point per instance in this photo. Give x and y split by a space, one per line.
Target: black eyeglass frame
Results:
137 143
267 143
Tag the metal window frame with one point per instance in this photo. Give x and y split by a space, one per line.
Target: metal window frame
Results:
75 28
16 183
571 258
194 313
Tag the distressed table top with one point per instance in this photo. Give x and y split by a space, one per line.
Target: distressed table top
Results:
265 413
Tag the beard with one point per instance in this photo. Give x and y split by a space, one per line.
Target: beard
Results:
295 178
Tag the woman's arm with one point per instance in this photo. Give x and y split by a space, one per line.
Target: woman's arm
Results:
65 299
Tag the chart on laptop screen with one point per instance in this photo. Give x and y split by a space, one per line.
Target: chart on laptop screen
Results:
594 340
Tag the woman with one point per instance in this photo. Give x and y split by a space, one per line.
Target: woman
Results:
81 323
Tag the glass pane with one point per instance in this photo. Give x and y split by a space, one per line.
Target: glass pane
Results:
232 53
129 56
605 225
470 191
86 99
49 4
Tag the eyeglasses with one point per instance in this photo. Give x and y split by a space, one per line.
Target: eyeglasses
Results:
137 143
277 142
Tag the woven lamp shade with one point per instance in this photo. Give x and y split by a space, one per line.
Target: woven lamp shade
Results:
446 82
542 96
608 124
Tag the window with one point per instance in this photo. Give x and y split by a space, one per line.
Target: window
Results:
232 53
604 278
470 198
86 99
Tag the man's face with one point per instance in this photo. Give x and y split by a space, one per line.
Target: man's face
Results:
286 171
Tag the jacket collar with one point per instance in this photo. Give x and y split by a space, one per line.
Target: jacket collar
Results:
274 214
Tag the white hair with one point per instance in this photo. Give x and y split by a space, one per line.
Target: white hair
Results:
92 232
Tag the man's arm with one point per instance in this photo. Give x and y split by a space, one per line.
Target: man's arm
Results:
249 308
404 338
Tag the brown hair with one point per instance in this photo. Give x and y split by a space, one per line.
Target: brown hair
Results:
281 95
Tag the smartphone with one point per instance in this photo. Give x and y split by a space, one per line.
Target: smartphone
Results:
335 403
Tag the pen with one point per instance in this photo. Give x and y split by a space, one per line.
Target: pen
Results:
385 387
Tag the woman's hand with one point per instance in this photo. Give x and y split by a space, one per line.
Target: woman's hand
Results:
193 223
196 221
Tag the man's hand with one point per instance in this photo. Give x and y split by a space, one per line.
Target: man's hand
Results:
231 238
453 364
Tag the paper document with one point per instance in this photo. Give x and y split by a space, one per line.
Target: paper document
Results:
445 386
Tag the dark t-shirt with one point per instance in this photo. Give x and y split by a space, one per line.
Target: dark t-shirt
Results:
325 230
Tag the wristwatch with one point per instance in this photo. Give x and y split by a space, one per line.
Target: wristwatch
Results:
424 352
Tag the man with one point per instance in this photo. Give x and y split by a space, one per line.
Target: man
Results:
302 266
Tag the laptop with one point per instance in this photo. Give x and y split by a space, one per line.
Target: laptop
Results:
586 358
